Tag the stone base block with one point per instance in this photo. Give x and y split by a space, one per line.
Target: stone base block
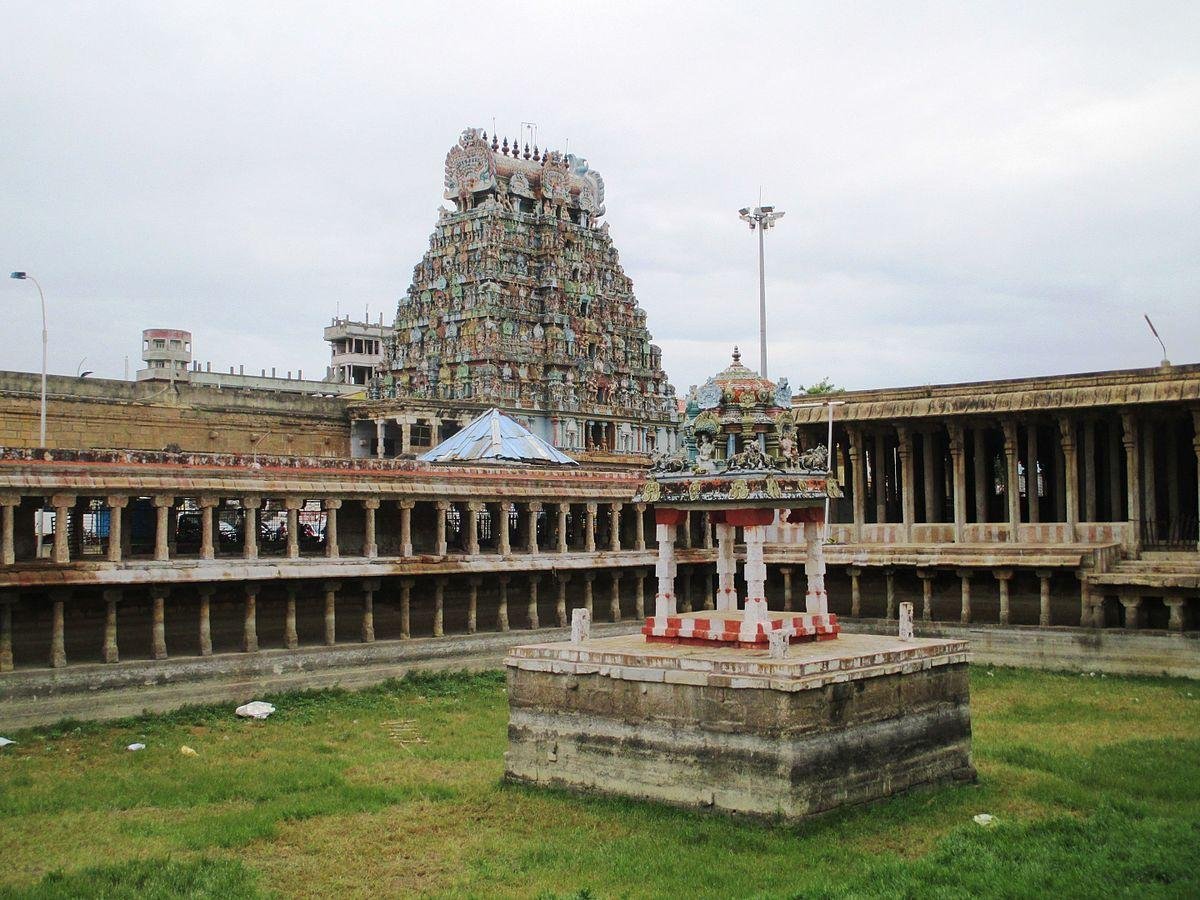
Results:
835 723
730 628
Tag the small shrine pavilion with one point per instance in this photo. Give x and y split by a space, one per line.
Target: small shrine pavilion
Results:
740 462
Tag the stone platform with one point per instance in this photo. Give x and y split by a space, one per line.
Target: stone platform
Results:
731 629
834 723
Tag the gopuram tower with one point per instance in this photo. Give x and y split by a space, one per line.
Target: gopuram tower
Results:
520 303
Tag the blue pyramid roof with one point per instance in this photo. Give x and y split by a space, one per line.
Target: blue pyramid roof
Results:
494 436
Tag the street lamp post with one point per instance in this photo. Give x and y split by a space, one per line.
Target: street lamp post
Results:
761 218
25 276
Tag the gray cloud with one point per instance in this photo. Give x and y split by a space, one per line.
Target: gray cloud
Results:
971 192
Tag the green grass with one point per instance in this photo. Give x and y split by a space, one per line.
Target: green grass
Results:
1094 782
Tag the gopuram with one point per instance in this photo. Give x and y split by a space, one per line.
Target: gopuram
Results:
744 710
520 303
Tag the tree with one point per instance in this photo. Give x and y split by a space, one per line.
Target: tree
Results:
824 386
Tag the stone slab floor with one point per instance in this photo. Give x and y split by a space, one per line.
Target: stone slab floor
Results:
396 790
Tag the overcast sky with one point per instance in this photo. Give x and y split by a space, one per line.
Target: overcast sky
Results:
972 191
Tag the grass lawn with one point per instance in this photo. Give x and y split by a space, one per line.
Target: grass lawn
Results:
1094 782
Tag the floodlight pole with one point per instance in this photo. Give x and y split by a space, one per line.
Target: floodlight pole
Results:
25 276
761 218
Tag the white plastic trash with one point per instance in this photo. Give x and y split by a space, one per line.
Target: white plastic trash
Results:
136 747
4 742
255 710
984 819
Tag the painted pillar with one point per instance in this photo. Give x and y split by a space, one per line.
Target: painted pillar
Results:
331 591
816 600
755 610
370 545
380 425
110 653
665 568
205 619
726 599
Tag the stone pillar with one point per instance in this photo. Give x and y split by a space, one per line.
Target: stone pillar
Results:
786 573
291 640
726 599
250 508
207 531
534 578
755 609
1133 609
331 589
979 454
879 461
1012 482
502 607
474 508
560 605
531 533
292 505
116 506
926 576
1044 594
1089 470
205 620
370 545
112 596
965 614
162 513
908 493
1115 440
855 574
639 535
1149 481
380 425
62 505
1066 440
406 544
1174 603
58 645
958 467
816 600
369 587
928 476
158 632
1088 617
6 655
588 577
503 538
639 597
707 528
614 537
405 606
589 534
889 593
563 509
442 508
473 584
1031 474
331 535
439 603
1129 438
405 435
8 504
250 620
665 568
1004 580
614 597
858 483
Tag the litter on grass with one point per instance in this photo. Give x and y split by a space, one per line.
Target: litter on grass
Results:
136 747
984 819
185 750
4 742
255 710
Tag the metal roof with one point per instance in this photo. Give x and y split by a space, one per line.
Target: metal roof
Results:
494 436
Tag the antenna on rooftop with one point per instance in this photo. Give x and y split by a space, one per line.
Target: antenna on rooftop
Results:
1154 331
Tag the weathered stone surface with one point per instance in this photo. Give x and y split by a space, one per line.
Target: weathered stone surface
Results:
769 737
